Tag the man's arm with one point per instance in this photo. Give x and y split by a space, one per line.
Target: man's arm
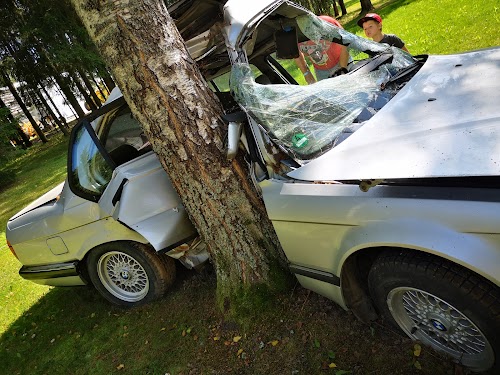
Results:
302 65
344 57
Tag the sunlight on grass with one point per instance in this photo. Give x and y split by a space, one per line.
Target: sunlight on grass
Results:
17 295
37 171
440 27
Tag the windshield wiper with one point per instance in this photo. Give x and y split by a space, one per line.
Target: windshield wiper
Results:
404 72
382 58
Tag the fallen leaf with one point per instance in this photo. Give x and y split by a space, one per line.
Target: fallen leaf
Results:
332 365
52 341
183 332
189 330
417 349
216 338
120 366
417 365
236 338
239 352
163 329
92 315
274 342
227 343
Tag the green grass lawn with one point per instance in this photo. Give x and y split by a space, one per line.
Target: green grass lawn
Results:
37 171
61 331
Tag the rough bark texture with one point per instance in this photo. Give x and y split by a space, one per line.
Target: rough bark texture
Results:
180 115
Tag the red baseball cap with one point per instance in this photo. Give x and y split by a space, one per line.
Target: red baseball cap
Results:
370 17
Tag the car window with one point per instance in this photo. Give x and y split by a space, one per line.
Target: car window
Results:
90 172
119 128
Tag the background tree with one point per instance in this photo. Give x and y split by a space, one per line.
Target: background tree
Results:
47 41
366 6
181 116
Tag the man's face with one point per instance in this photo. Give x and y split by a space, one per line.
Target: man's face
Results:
371 28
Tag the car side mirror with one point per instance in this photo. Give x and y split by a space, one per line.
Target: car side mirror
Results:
286 43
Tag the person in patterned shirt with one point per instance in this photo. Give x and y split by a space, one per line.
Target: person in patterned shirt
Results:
327 58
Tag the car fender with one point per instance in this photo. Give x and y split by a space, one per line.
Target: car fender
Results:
475 251
142 197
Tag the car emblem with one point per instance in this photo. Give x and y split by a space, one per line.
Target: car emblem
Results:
438 325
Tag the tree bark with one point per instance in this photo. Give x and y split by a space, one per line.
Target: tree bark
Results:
25 110
366 5
181 116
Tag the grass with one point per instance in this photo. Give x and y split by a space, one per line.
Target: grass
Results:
436 27
73 331
37 171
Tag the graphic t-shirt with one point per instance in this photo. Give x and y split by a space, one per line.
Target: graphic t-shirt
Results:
323 54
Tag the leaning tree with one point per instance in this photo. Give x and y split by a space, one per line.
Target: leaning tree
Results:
182 118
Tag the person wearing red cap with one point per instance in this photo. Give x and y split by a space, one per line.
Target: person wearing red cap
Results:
372 26
327 58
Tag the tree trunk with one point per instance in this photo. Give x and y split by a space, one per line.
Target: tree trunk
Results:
366 5
25 110
335 8
108 80
181 116
90 103
91 89
342 7
103 95
25 139
63 84
61 122
52 114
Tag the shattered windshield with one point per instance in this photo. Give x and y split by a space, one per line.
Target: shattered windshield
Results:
307 121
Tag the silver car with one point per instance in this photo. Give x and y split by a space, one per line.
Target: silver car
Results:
382 184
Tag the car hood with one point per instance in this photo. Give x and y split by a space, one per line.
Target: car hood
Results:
444 123
50 196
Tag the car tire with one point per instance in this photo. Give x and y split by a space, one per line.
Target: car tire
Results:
130 274
440 304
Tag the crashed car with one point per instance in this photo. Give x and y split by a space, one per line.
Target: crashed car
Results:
382 184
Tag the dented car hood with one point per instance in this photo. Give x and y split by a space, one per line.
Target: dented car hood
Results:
444 123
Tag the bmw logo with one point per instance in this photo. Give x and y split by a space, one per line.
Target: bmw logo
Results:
438 325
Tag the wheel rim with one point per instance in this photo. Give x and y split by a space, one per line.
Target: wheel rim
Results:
434 322
123 276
